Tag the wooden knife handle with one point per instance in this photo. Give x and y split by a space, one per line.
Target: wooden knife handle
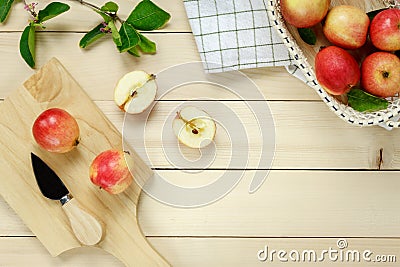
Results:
87 229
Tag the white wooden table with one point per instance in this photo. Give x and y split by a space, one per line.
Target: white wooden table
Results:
325 183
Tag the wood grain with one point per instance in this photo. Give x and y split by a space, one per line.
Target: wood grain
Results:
99 68
349 204
353 204
52 86
88 229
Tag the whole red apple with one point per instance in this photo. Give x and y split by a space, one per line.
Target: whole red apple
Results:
304 13
55 130
337 71
346 26
380 74
385 30
110 171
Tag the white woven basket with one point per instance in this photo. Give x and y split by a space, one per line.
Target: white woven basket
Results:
384 118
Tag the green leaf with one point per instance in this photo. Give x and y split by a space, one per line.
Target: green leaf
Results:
146 45
308 35
115 34
373 13
147 16
362 101
129 37
51 10
5 6
106 17
92 36
110 7
27 45
134 51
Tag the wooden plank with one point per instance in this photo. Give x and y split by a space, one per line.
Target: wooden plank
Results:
308 136
107 66
80 18
16 252
10 223
289 204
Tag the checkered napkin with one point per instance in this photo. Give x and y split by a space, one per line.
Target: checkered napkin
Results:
236 34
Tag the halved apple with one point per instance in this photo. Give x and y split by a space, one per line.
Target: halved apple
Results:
194 127
135 92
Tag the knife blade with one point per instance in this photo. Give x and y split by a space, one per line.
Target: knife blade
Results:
86 227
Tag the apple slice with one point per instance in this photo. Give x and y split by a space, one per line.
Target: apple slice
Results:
194 127
135 92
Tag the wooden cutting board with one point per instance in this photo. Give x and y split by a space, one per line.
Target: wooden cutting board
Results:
53 86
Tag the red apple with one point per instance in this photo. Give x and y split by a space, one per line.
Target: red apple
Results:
110 171
380 74
55 130
385 30
346 27
336 70
304 13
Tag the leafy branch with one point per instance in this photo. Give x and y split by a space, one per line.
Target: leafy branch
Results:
109 9
146 16
27 41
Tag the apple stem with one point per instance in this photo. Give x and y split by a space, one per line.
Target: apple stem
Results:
343 98
195 130
92 6
76 142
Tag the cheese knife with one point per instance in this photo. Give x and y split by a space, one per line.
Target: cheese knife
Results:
86 227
